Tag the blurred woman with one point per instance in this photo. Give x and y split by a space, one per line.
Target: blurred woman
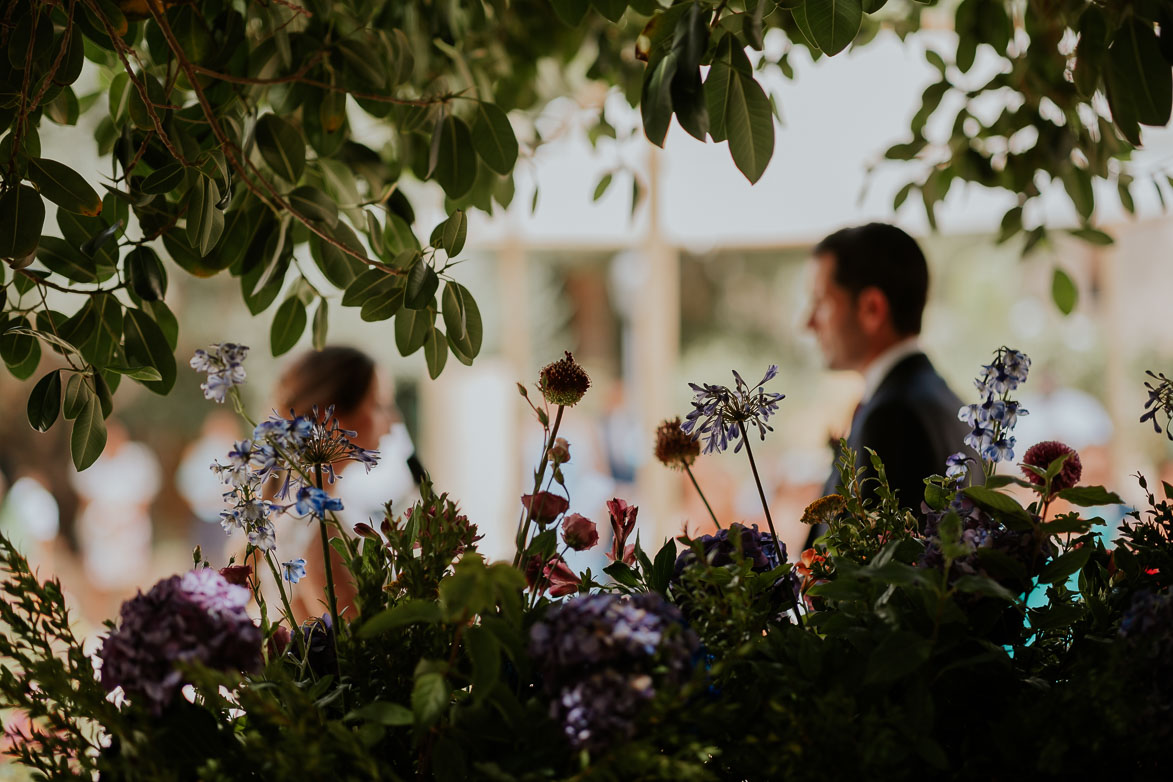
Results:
347 380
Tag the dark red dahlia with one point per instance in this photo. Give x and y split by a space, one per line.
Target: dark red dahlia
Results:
1040 456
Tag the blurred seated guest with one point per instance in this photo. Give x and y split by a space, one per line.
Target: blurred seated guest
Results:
346 379
870 287
200 490
114 521
30 518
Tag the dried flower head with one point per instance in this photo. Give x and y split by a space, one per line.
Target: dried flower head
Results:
1040 456
674 447
563 382
824 510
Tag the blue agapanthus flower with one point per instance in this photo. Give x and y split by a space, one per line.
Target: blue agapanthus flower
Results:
293 570
314 501
719 413
1160 401
957 466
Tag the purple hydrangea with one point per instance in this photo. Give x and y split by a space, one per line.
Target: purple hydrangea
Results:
980 531
195 618
601 657
721 548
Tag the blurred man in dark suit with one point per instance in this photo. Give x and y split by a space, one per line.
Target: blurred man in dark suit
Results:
870 287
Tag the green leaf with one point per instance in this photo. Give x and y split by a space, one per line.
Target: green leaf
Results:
739 110
571 12
282 147
655 104
146 345
451 233
1063 291
205 221
45 401
981 585
405 613
1090 496
899 653
21 351
493 137
996 501
61 257
164 180
312 203
22 214
136 373
371 283
145 273
1093 236
383 713
462 319
690 42
77 393
1062 567
422 282
623 574
663 566
484 652
829 25
321 324
601 187
108 328
435 352
611 9
64 186
288 325
456 160
89 434
1140 82
429 698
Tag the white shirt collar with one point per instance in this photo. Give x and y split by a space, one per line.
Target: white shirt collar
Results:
884 363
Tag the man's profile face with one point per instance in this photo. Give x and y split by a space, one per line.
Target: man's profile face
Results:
833 318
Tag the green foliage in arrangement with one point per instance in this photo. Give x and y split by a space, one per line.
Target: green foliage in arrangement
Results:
991 633
231 131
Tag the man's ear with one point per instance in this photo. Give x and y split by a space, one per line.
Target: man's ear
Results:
873 310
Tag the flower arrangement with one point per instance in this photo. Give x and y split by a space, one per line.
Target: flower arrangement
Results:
991 633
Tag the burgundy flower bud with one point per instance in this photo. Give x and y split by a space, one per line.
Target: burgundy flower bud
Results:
579 532
365 531
545 507
237 574
674 448
279 641
560 452
1040 455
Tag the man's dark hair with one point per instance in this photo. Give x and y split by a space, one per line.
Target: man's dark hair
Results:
885 257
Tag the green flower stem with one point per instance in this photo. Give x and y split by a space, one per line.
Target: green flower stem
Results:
697 486
331 598
761 492
527 518
281 589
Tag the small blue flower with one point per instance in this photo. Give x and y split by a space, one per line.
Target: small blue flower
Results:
957 466
263 536
315 501
293 570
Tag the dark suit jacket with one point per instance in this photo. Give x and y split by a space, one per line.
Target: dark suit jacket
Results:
911 423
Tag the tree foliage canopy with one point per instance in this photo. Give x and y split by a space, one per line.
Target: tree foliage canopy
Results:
228 128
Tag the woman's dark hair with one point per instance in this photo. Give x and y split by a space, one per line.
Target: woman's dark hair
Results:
882 256
338 376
